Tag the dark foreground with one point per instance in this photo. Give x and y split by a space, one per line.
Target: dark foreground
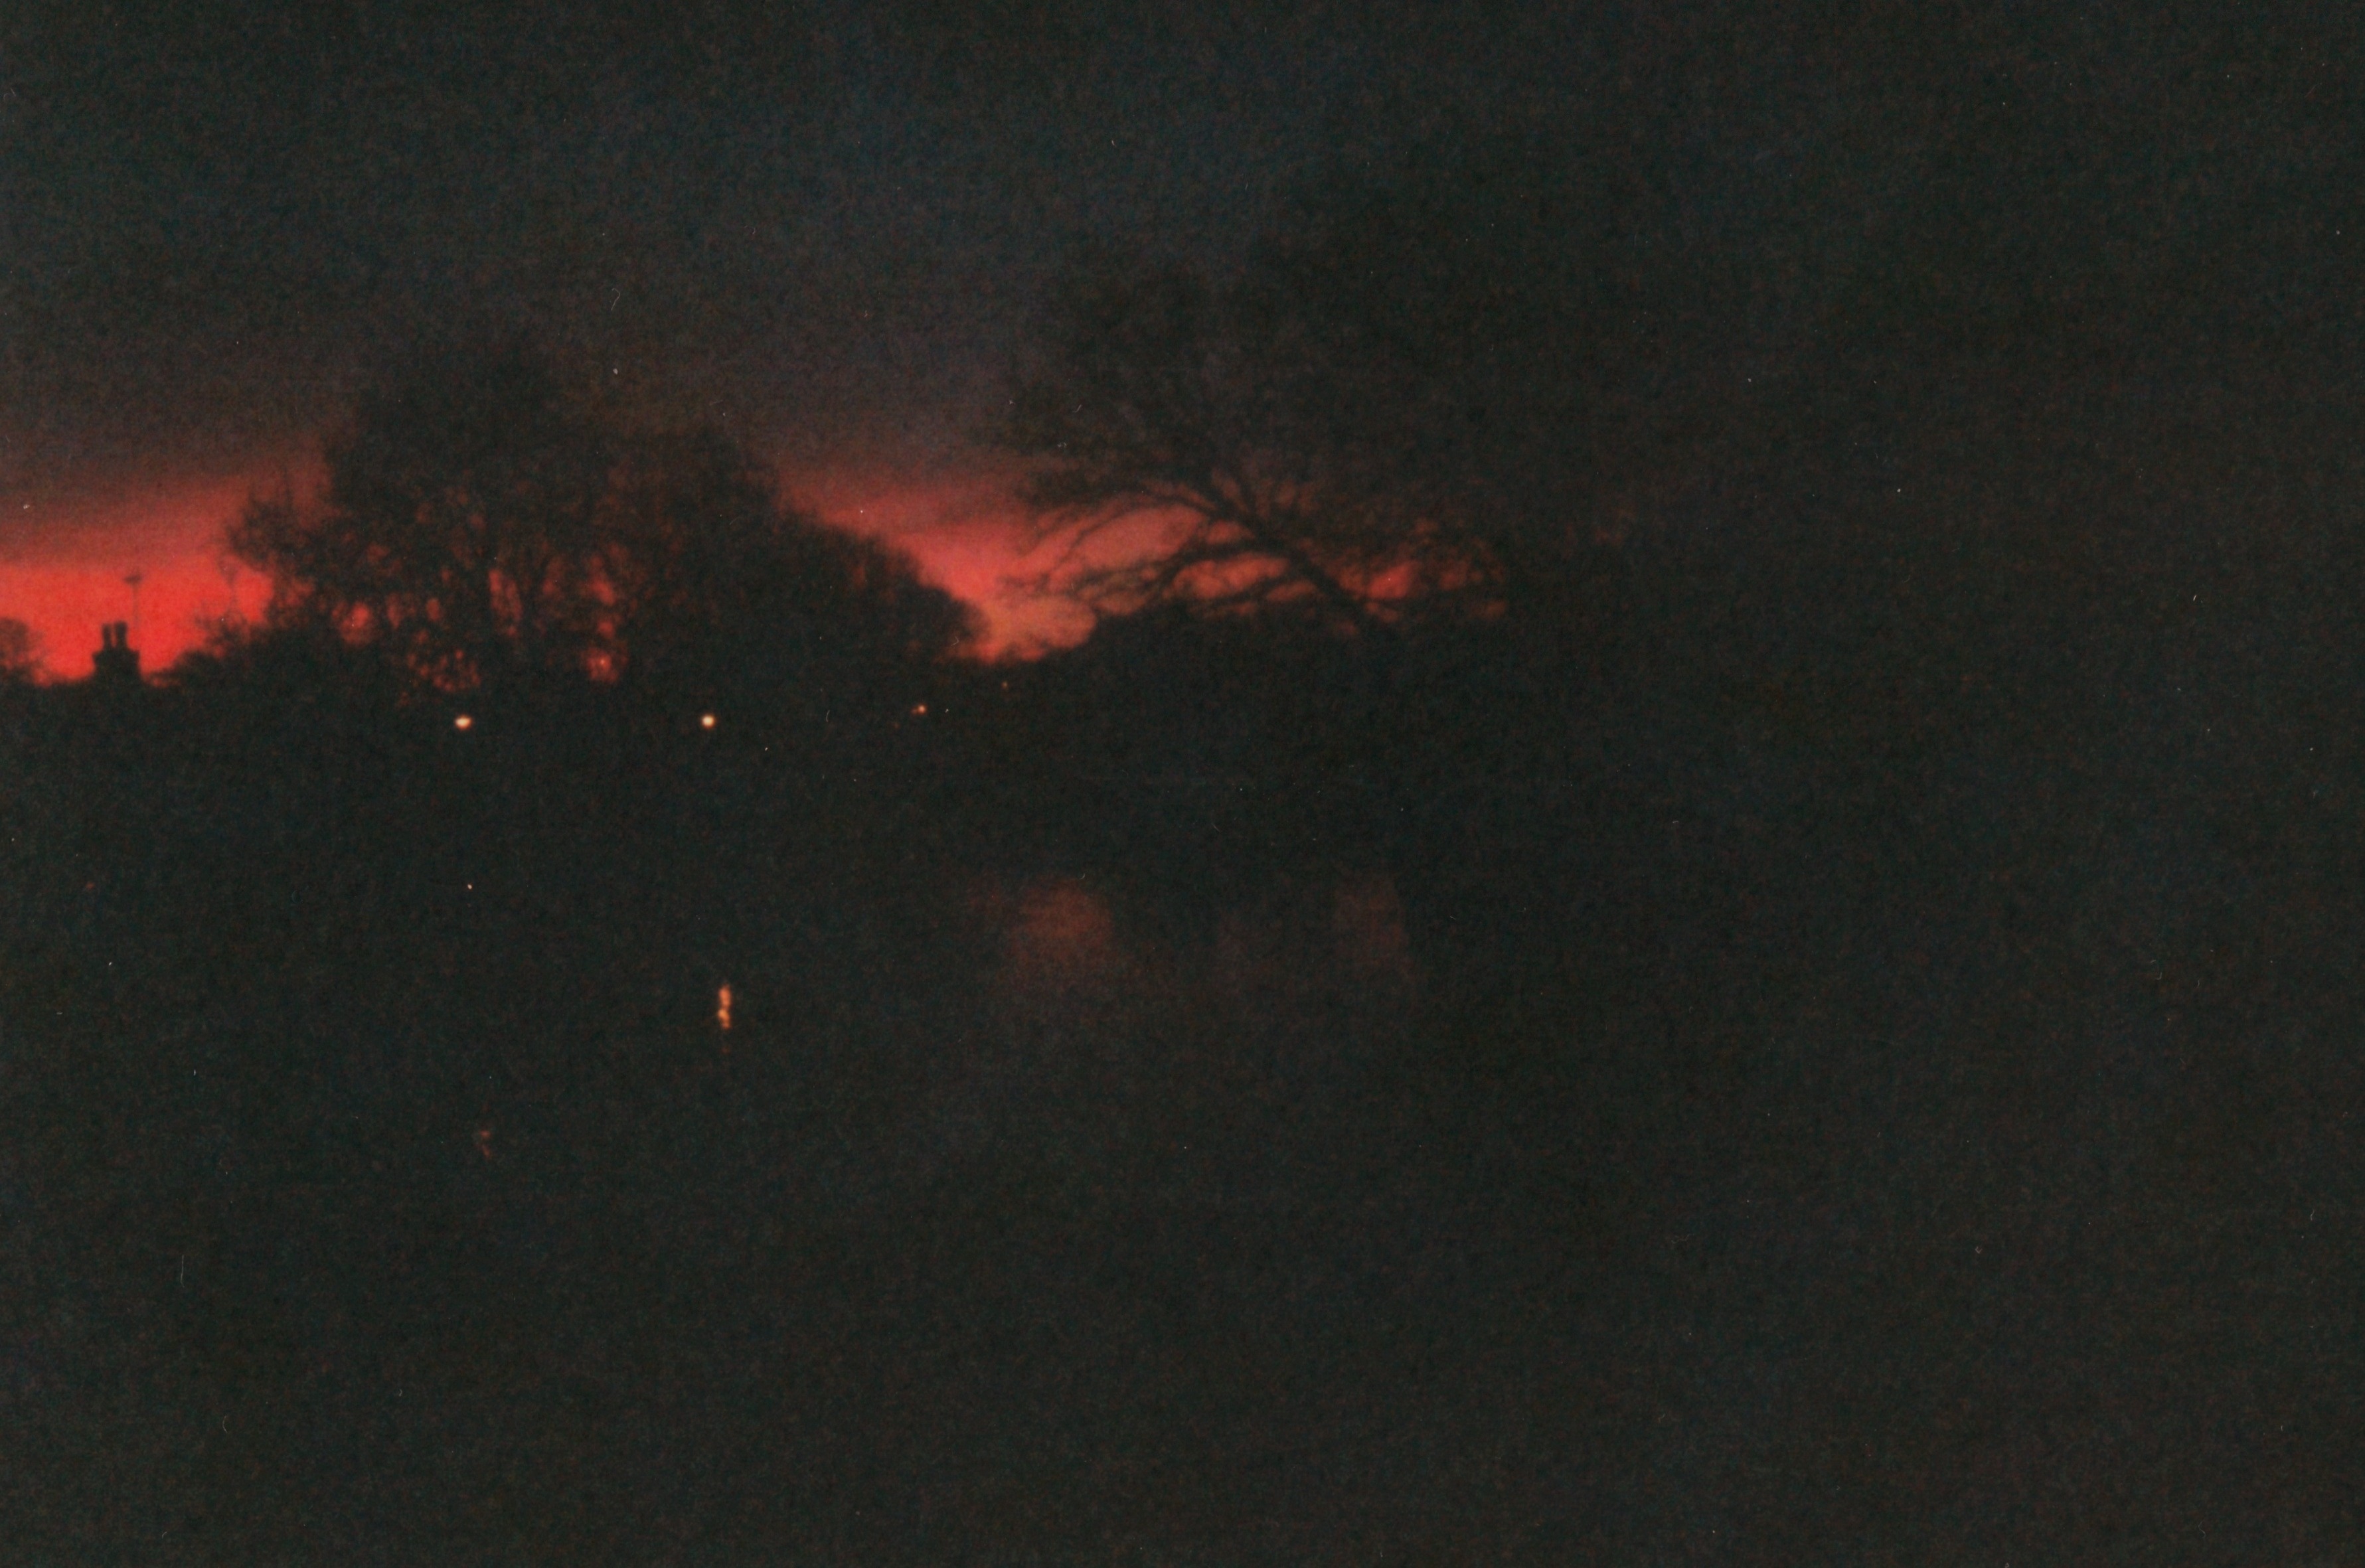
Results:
1724 1139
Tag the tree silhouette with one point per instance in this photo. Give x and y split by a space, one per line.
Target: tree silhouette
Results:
1157 427
482 524
713 585
1443 391
20 653
460 526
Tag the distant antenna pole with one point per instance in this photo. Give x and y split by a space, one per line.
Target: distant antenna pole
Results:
133 579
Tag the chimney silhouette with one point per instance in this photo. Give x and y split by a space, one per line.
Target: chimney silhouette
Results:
117 662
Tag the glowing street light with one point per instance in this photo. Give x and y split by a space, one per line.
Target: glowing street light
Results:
706 721
463 721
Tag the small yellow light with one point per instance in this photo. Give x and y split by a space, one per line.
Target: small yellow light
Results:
919 709
722 1008
706 721
462 723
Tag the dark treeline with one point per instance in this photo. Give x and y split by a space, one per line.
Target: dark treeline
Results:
1695 901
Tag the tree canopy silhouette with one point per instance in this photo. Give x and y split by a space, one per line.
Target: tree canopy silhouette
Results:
460 526
483 523
1438 392
712 586
21 652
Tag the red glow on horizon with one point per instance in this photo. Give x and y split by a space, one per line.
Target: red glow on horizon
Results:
63 566
968 537
63 571
64 562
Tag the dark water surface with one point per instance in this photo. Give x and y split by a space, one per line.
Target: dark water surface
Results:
1757 1182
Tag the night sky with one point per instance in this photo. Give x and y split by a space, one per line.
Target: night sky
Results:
815 224
822 224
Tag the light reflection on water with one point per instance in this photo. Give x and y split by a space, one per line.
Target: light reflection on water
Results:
1113 1035
1060 936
